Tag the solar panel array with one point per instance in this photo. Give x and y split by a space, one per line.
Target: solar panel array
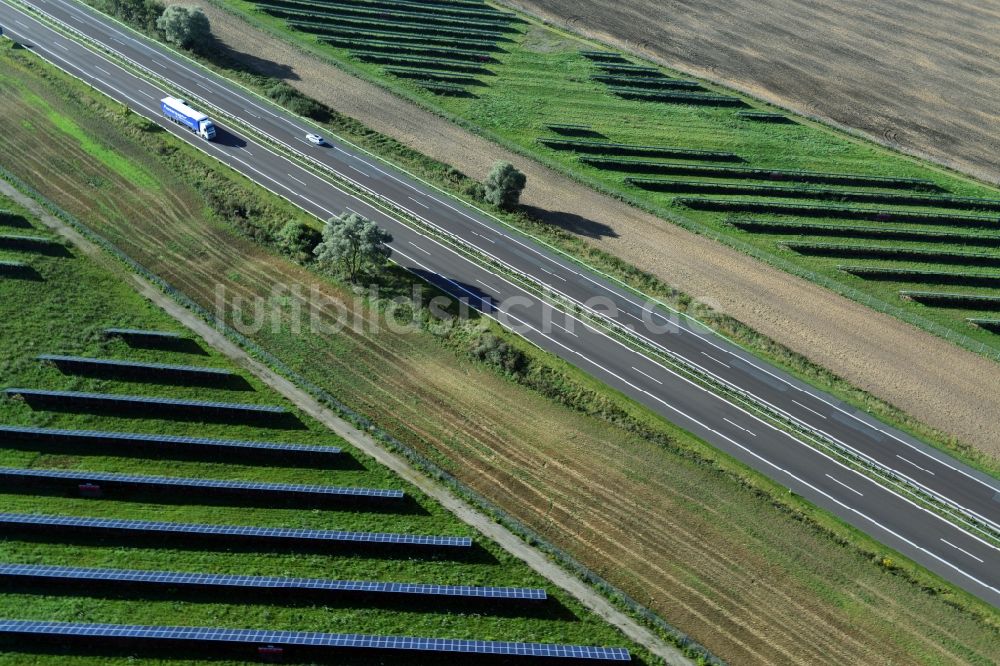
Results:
140 333
85 362
11 473
176 579
12 240
313 640
134 400
28 432
280 534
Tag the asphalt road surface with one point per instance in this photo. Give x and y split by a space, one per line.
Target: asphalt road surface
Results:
953 553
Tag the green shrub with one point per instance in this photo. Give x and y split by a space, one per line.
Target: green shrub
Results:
296 102
503 186
141 14
489 349
187 27
298 240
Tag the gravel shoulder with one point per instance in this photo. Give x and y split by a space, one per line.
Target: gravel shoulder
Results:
952 390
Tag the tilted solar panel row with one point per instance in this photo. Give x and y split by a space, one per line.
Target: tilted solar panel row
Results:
139 333
49 525
33 573
135 367
307 642
175 445
134 401
140 481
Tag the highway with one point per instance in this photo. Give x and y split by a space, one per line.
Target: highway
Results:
953 553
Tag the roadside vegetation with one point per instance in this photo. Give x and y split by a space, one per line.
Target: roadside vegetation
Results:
744 567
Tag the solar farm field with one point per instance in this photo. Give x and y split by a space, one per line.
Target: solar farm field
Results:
738 564
212 503
615 111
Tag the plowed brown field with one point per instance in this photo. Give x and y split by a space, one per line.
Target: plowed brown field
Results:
923 77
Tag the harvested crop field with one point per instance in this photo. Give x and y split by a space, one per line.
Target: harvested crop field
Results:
920 77
713 557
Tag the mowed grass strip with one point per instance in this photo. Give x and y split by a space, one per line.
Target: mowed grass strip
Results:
682 530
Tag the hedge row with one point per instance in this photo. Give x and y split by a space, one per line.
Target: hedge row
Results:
783 191
417 62
920 276
471 11
604 56
946 300
606 148
335 11
409 49
992 325
614 68
754 173
13 267
432 75
841 212
617 81
404 38
929 256
386 26
804 228
677 97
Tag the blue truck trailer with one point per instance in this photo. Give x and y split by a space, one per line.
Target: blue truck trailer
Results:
179 112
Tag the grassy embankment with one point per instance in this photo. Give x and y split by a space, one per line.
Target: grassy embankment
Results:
719 551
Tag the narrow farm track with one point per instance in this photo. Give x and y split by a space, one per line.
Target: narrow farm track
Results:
894 361
719 562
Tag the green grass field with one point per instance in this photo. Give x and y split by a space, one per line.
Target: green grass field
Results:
63 309
532 75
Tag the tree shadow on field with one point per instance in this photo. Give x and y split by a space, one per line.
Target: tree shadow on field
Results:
571 222
224 55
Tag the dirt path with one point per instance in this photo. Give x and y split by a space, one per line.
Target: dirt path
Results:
952 390
308 404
